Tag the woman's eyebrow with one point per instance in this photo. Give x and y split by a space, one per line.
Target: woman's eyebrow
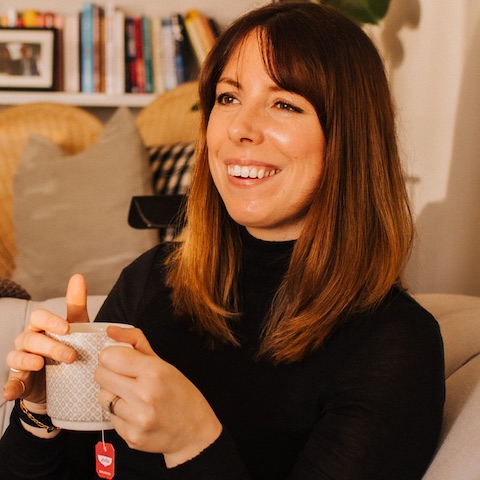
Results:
236 84
229 81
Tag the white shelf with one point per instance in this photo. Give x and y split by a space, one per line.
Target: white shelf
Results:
78 99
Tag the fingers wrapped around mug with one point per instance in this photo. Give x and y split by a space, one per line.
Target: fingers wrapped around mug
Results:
153 406
27 360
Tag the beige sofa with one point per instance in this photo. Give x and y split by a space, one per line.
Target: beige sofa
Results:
459 317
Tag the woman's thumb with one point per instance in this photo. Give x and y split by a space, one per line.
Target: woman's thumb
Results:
77 299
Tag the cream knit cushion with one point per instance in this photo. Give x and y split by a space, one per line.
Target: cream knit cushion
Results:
72 128
70 211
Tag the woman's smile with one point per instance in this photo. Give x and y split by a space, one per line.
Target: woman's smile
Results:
243 171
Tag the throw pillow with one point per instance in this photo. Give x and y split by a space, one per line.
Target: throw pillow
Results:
8 288
70 211
171 167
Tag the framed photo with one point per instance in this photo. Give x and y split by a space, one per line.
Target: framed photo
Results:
27 58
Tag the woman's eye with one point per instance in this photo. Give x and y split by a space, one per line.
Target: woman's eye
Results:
288 107
225 99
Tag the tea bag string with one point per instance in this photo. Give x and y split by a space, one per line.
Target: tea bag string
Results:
103 431
103 440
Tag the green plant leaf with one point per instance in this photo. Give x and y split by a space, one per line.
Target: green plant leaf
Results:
362 11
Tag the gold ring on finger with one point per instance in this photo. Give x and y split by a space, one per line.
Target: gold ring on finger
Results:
15 379
111 404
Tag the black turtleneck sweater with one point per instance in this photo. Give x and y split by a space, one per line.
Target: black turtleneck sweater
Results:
366 406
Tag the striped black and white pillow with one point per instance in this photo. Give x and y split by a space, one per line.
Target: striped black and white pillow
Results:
171 168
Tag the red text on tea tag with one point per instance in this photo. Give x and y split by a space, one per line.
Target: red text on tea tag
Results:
105 460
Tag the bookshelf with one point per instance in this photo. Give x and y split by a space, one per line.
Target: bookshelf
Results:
222 11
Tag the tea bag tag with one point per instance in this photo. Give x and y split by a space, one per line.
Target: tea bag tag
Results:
104 459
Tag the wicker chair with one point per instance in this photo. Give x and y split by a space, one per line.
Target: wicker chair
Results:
172 117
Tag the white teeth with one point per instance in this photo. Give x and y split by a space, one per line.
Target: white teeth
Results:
250 172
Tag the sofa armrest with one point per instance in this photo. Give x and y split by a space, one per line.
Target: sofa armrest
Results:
459 445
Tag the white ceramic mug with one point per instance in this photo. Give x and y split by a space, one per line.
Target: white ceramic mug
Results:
72 394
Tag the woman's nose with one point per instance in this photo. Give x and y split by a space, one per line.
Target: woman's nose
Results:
247 125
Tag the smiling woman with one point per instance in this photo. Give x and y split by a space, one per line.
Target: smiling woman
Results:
340 185
276 340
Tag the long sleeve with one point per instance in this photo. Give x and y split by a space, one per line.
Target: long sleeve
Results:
23 456
382 413
218 462
68 456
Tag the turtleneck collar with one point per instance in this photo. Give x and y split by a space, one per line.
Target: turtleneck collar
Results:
265 245
264 262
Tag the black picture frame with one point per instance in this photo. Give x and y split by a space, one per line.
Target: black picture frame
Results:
28 58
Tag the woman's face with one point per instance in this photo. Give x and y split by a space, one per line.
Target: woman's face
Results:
266 148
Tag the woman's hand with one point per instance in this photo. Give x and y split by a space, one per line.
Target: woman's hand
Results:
27 360
159 409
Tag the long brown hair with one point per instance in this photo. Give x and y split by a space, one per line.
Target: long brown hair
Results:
358 230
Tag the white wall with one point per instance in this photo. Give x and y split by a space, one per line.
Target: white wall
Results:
432 48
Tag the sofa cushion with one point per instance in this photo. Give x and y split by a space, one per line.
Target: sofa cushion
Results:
459 320
70 211
459 446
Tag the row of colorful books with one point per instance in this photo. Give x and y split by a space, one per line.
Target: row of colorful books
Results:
101 49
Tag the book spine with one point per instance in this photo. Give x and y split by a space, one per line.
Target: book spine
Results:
87 61
119 52
139 59
109 65
179 47
59 53
193 33
130 52
168 59
147 53
156 29
98 49
210 35
200 33
71 48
